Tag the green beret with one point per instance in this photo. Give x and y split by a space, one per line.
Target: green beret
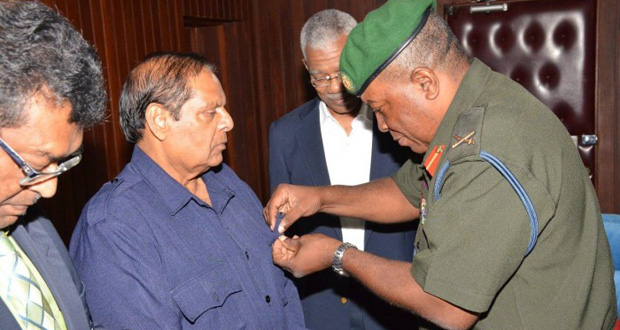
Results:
374 43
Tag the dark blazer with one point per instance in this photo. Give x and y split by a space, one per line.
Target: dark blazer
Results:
330 301
40 241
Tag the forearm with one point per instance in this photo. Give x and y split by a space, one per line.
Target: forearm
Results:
379 201
392 281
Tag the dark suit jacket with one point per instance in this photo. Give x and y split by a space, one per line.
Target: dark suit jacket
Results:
296 156
40 241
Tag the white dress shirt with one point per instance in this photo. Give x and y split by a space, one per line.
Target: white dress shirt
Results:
348 160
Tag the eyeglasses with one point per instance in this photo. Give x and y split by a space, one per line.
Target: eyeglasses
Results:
325 81
33 176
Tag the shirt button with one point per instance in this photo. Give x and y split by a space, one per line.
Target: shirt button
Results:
343 300
247 255
417 245
115 180
267 299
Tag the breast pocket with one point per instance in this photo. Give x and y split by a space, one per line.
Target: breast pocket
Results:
212 298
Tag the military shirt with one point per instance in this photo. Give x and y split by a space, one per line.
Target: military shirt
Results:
510 226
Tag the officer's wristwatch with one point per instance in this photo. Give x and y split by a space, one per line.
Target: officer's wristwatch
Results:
337 261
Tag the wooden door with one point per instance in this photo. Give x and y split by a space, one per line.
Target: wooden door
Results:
226 43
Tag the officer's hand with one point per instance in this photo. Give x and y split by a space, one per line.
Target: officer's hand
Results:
304 255
293 202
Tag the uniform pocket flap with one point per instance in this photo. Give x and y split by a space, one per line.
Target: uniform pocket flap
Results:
206 291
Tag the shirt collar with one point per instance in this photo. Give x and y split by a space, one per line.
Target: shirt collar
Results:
364 115
466 95
219 192
175 195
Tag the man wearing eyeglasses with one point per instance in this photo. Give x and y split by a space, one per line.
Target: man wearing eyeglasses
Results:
333 140
51 90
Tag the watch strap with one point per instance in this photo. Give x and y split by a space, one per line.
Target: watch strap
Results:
337 260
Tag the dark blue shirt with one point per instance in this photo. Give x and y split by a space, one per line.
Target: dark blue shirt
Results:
154 256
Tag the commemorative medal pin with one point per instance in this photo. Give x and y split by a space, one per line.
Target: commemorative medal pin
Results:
423 203
422 211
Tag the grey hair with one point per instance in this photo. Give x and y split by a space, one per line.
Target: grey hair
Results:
435 47
324 27
41 52
162 77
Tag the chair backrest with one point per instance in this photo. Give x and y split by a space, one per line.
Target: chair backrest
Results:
612 228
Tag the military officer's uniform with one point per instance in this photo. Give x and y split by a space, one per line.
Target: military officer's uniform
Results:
510 226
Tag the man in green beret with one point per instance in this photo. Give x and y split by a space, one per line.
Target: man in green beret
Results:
510 232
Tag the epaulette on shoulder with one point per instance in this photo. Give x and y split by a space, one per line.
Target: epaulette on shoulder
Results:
97 208
466 135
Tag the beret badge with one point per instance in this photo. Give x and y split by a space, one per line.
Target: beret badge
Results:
347 82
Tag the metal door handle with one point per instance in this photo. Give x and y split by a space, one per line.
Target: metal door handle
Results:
586 140
488 8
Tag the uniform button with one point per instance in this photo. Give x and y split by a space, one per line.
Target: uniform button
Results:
115 180
267 299
417 245
247 255
343 300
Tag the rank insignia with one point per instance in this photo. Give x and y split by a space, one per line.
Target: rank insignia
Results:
433 159
467 139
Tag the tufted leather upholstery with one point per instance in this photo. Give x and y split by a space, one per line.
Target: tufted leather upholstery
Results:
546 46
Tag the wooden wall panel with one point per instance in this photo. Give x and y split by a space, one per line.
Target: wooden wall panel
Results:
608 105
234 59
272 89
232 10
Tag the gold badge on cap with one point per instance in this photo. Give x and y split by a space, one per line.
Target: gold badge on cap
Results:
347 82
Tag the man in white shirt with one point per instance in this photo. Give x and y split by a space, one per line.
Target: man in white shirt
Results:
332 139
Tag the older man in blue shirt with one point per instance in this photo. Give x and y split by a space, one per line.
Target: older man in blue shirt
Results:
177 240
